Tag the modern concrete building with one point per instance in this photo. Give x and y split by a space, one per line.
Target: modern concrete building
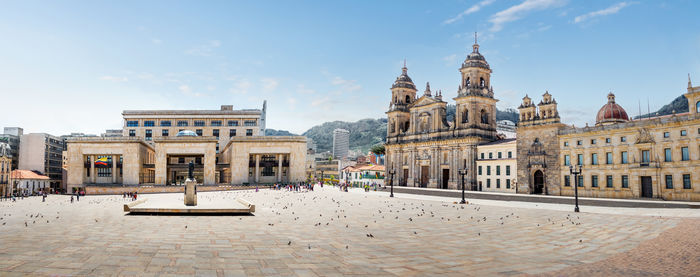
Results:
43 153
226 147
11 136
112 133
341 143
5 170
656 157
497 166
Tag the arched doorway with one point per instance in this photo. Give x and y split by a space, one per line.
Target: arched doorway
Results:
539 182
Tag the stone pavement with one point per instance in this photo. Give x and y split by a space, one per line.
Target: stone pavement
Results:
320 233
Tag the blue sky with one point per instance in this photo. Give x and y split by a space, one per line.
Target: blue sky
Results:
73 66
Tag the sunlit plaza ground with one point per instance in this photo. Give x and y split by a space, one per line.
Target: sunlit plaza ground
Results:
326 232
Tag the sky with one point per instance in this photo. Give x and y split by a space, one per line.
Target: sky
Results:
74 66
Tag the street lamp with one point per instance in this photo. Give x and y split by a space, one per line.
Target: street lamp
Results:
322 181
463 172
391 181
575 172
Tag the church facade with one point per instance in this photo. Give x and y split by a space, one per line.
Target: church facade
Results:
423 149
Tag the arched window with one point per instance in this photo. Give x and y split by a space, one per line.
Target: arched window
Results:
395 102
408 99
482 83
484 117
393 126
465 116
406 128
468 82
697 107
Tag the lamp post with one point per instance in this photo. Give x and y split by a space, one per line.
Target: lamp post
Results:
391 181
322 181
575 172
463 172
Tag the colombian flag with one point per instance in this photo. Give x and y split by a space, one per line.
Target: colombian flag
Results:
101 161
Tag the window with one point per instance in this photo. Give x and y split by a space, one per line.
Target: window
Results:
507 170
667 134
181 160
482 156
510 154
669 181
498 170
250 123
566 143
579 142
594 158
182 123
149 123
645 156
623 139
567 160
498 183
232 133
684 133
608 181
216 123
594 181
479 170
149 134
608 158
580 159
684 154
593 141
625 181
132 123
233 123
667 155
165 123
499 155
199 132
215 133
507 183
607 140
580 181
490 155
697 107
623 157
199 123
198 160
686 181
132 133
488 170
249 132
488 183
166 132
567 180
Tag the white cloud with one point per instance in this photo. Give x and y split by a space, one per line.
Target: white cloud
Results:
241 87
114 78
304 90
346 85
450 60
475 8
519 11
607 11
210 88
292 101
187 90
269 84
206 49
156 41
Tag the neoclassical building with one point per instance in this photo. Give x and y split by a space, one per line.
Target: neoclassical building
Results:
227 147
655 157
426 150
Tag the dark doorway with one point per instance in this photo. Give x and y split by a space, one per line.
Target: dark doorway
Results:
404 181
539 182
445 177
424 176
646 187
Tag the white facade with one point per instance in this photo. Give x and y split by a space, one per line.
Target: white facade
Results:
363 175
30 186
341 143
496 166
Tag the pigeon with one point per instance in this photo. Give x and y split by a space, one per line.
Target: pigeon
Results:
289 243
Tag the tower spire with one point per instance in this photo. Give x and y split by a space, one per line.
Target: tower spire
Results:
427 89
404 69
690 84
476 44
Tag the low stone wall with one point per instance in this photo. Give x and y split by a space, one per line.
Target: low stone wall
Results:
107 190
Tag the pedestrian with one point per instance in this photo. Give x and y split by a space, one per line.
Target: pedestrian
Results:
77 196
71 198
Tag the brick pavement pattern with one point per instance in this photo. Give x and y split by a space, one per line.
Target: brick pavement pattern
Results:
320 233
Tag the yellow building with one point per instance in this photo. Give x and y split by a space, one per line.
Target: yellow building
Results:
656 157
497 166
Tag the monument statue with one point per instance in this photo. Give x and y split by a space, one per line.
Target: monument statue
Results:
190 174
190 187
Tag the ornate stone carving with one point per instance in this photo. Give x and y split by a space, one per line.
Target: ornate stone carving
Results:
644 136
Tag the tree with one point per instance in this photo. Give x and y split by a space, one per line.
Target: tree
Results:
378 149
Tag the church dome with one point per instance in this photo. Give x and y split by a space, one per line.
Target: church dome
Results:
475 59
403 81
611 112
186 133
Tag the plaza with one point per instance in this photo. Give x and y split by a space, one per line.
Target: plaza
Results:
326 232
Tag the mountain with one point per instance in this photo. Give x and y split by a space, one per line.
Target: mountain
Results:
273 132
678 105
363 134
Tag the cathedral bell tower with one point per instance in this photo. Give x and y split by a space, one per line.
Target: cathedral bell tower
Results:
476 107
403 94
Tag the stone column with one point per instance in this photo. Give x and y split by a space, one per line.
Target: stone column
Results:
114 169
161 177
257 168
279 167
93 178
210 165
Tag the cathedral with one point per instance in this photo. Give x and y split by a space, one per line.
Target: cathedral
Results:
423 148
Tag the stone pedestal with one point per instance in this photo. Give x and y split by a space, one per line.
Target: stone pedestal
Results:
190 192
